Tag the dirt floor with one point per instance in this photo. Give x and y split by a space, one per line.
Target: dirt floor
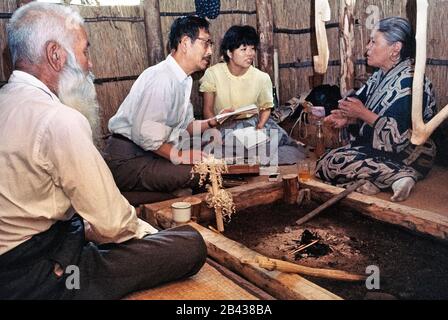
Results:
411 266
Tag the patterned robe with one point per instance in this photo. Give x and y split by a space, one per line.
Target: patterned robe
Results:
383 153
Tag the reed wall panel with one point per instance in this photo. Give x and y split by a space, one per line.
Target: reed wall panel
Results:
119 47
6 7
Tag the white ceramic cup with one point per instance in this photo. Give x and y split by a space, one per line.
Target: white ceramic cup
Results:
181 212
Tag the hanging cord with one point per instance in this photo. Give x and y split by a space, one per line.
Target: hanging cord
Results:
302 121
302 117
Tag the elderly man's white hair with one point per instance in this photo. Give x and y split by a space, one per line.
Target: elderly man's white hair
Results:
33 25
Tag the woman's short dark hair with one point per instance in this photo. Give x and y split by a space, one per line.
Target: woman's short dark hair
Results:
237 36
186 26
396 29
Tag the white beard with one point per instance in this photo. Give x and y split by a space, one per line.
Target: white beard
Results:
77 90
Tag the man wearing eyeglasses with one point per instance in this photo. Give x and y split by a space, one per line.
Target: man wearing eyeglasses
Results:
144 151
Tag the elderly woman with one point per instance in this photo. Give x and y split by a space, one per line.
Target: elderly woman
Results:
379 118
236 83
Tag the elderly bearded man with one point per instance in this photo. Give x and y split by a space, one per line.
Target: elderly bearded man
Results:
51 169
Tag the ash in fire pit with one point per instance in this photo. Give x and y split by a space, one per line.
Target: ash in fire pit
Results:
310 245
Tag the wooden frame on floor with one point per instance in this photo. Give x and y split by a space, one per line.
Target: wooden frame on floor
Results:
282 285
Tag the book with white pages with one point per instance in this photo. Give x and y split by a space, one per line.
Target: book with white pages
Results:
250 137
250 109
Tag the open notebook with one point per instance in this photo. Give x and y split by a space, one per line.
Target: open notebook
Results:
250 137
250 109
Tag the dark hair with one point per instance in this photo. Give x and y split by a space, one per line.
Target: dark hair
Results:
186 26
396 29
237 36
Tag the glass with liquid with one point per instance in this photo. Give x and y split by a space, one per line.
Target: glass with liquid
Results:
304 170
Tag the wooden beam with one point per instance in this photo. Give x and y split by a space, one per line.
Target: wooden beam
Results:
244 197
347 45
265 25
281 285
153 27
237 169
240 281
423 221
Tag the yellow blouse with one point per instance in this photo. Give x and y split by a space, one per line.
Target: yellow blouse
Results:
254 87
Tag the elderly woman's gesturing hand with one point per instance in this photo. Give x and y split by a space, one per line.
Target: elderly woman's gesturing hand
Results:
354 108
337 120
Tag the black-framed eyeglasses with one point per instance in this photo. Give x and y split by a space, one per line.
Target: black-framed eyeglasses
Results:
208 42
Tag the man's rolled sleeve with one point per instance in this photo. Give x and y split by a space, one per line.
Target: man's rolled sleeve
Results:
152 135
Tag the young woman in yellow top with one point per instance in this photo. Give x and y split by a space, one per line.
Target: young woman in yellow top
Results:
237 83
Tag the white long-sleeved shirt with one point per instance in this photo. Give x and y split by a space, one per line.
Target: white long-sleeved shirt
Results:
48 163
158 107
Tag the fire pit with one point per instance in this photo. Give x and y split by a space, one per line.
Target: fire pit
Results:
411 266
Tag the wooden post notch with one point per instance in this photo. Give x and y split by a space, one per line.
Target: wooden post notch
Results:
291 188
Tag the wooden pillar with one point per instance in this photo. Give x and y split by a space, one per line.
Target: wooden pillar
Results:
153 26
346 45
265 25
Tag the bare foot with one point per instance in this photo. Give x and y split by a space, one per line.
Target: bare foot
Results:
402 188
368 189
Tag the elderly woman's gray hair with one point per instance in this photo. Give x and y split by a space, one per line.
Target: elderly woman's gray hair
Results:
396 29
33 25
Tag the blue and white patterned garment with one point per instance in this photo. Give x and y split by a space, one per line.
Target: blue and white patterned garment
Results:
383 153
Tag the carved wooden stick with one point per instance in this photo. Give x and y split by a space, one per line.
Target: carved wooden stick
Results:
323 14
330 202
218 209
346 45
284 266
421 131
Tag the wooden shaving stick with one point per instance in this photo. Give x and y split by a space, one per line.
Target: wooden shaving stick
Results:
284 266
323 14
421 131
331 202
346 45
218 210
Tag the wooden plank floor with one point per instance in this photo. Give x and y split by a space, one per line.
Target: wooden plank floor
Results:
212 282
